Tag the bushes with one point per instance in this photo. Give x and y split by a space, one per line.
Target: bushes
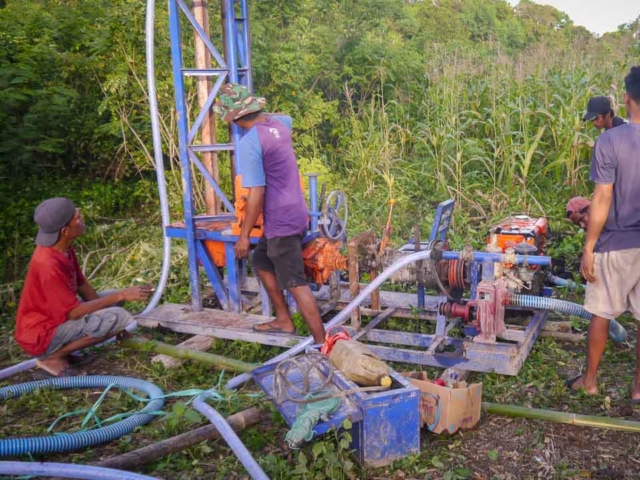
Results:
416 101
98 201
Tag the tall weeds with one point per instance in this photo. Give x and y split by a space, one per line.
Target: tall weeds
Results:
499 137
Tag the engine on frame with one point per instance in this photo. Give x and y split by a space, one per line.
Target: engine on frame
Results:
516 235
491 283
520 235
508 268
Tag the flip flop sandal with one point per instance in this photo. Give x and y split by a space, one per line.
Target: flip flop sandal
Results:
272 330
569 384
81 359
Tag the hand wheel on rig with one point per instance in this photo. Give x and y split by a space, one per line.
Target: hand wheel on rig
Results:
335 213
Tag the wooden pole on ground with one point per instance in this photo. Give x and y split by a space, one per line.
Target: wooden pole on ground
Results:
200 343
217 361
238 421
208 128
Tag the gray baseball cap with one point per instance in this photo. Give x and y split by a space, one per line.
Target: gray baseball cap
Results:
51 215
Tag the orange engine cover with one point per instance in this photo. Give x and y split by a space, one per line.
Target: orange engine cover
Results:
216 251
321 257
521 228
241 209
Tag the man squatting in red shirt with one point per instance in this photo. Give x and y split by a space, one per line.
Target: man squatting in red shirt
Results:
52 322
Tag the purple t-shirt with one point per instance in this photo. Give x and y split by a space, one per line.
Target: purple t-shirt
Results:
267 159
616 160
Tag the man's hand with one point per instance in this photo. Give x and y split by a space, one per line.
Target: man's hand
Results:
587 266
137 294
242 247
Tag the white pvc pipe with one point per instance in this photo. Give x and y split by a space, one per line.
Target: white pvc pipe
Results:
157 153
70 470
344 314
230 437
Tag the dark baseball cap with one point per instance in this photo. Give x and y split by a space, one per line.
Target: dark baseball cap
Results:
597 106
51 215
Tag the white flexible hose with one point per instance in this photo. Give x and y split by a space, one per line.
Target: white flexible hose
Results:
157 153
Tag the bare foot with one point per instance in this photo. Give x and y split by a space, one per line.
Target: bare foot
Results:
580 384
53 366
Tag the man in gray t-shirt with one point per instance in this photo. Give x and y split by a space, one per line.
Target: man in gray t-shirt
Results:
611 256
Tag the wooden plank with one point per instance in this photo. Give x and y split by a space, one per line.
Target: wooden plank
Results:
171 312
200 343
234 326
214 323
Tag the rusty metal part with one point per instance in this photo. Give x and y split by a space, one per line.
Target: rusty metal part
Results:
456 273
455 310
489 307
486 312
387 229
322 257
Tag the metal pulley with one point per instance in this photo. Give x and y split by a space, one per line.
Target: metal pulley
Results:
335 213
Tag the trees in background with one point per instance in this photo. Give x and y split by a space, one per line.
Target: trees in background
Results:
416 99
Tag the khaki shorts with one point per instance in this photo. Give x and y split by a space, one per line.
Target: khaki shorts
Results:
617 287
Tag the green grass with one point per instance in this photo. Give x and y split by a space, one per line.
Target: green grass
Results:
540 384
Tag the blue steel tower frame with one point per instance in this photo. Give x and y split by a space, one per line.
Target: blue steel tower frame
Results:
234 66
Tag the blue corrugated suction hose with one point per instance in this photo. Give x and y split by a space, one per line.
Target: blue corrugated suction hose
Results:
616 331
563 282
80 440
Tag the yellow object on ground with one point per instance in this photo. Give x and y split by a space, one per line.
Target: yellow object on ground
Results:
359 364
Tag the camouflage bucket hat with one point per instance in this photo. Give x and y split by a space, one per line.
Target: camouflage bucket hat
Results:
235 101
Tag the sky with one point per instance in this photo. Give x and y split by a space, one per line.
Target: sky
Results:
599 16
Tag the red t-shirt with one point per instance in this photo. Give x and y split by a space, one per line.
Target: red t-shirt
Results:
49 294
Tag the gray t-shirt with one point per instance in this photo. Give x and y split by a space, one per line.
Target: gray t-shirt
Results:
616 160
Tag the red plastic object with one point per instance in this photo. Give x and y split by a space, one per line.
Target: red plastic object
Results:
330 340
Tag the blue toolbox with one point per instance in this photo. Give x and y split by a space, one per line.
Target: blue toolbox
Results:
385 424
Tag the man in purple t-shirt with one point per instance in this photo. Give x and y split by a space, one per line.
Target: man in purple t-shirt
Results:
611 256
269 170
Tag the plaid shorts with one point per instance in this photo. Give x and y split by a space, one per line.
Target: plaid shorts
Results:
103 323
